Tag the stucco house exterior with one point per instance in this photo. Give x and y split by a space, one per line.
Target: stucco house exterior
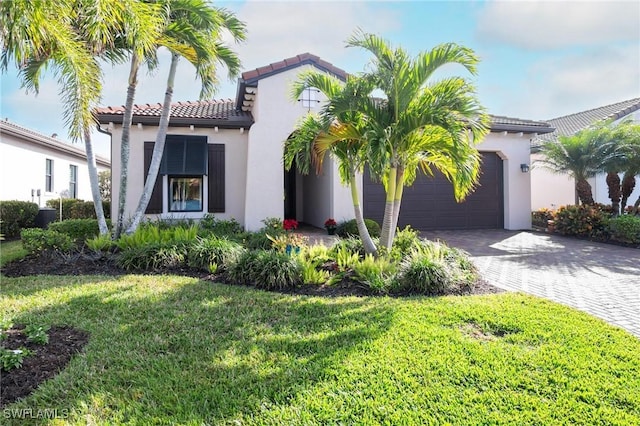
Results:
225 157
35 167
551 190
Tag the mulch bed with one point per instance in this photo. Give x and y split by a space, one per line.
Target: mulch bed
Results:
44 362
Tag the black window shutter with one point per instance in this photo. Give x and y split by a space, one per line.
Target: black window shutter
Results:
184 156
155 202
216 178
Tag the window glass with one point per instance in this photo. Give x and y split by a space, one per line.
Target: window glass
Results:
48 183
185 194
73 181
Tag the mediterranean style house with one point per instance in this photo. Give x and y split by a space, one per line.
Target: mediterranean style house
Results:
550 190
224 157
35 167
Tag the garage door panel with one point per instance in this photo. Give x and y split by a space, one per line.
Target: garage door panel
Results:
430 204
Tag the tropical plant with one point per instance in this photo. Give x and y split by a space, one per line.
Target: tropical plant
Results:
341 134
627 134
421 123
71 36
194 30
581 156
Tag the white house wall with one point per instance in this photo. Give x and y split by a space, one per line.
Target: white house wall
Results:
23 168
235 154
514 151
276 116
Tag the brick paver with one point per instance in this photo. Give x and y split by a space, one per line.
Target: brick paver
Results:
601 279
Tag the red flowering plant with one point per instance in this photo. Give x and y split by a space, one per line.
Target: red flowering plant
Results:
290 224
330 223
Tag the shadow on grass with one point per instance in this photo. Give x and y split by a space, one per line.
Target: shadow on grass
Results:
197 352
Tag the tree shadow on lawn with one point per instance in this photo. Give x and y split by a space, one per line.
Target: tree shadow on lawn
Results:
201 352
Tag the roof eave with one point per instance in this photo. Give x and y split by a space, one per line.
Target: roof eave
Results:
516 128
230 123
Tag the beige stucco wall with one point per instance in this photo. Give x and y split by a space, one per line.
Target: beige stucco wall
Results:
23 168
550 190
276 115
514 150
235 154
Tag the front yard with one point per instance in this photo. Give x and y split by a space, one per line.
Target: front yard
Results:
168 349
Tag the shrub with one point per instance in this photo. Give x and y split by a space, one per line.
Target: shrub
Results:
155 233
433 269
37 334
79 230
405 241
210 224
13 358
540 217
582 220
375 273
100 243
267 269
17 215
350 228
153 256
625 228
36 240
204 252
311 273
351 244
258 240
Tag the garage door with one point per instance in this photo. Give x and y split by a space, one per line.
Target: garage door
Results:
429 203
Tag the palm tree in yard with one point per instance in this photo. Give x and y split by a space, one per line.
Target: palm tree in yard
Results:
192 30
581 156
342 136
628 137
69 36
421 123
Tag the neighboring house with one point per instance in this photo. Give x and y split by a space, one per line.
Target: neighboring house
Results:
35 167
225 157
551 190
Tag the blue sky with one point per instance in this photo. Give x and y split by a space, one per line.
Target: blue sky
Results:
539 60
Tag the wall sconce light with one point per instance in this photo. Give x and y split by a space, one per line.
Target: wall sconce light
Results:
241 130
139 126
215 129
191 127
524 168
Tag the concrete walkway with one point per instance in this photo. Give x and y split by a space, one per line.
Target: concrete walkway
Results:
601 279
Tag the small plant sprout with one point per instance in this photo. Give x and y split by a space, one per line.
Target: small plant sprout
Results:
37 334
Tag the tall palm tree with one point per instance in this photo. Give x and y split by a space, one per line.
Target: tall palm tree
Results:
342 136
581 156
193 31
68 36
628 133
421 123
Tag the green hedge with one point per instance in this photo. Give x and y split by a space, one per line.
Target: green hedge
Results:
350 228
15 216
73 208
625 228
78 230
36 240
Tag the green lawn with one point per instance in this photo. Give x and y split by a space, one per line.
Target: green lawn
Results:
167 349
11 250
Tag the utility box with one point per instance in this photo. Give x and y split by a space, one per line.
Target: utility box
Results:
44 217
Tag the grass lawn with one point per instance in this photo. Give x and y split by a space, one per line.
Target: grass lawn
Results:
167 349
11 250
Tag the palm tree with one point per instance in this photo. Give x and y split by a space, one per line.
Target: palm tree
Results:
421 123
581 156
342 136
193 31
628 133
69 36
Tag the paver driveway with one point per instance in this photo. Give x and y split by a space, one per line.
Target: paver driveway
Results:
601 279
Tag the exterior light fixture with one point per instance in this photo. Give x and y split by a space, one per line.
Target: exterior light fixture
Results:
524 168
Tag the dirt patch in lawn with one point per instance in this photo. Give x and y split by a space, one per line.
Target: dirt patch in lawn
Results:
43 362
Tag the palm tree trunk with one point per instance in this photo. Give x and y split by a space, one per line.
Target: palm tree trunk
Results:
94 182
124 146
584 191
636 205
613 182
388 208
397 200
158 147
628 185
365 237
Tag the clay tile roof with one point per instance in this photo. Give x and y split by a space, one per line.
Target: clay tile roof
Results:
213 110
572 123
289 63
502 123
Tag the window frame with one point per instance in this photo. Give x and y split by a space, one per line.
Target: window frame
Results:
73 181
170 200
48 175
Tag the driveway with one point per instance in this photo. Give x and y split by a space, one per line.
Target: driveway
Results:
601 279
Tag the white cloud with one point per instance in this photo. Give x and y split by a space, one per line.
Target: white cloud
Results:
566 84
545 24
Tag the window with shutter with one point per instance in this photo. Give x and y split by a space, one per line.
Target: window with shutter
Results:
184 155
155 202
216 189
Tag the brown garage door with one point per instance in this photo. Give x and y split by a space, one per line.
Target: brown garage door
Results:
429 203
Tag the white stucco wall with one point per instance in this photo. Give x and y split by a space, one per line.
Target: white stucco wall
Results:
276 116
514 151
235 154
23 168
